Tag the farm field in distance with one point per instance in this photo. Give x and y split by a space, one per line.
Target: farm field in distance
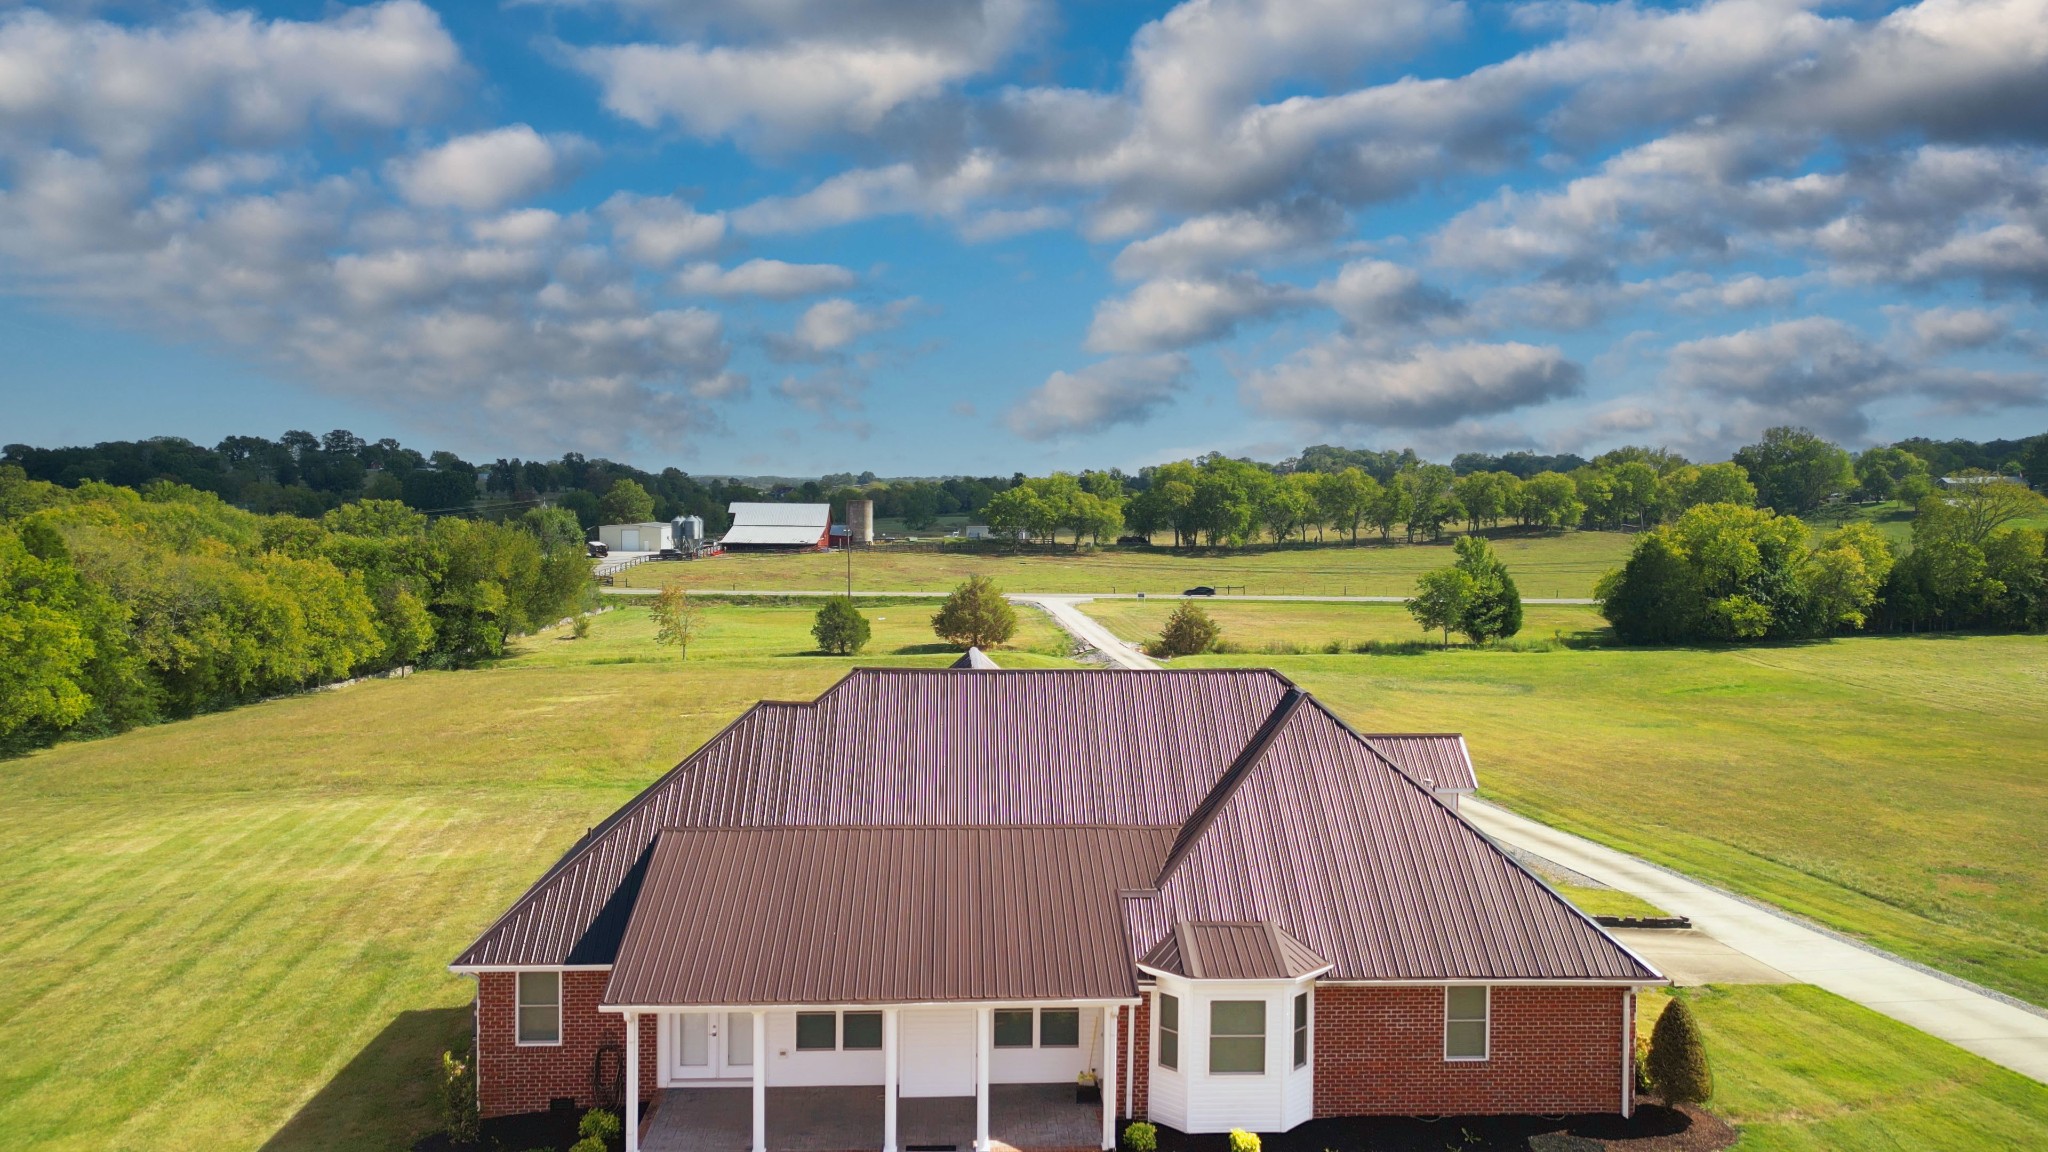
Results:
1547 564
1887 786
1255 627
231 932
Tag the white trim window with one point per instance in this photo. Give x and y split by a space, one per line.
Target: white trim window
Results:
1467 1022
1300 1029
1169 1031
539 1009
1237 1038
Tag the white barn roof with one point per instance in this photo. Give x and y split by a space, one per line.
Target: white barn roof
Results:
788 525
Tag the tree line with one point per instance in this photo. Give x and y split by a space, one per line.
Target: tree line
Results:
124 607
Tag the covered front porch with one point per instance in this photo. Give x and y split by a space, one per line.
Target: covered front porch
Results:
1033 1117
899 1078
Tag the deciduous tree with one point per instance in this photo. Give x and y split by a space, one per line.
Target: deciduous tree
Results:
975 615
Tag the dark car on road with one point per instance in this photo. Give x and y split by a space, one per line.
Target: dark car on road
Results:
1200 590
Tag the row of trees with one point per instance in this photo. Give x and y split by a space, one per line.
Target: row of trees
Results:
1727 572
123 607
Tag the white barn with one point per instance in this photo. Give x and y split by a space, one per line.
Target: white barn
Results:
789 526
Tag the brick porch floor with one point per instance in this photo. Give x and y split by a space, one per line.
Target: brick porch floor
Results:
1032 1117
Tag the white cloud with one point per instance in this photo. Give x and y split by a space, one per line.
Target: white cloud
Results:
829 326
1374 294
774 279
1941 330
827 75
207 81
485 170
1123 390
1358 384
658 230
1175 313
1231 239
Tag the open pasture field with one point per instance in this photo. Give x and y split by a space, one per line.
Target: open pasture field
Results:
1890 787
1259 627
230 932
1559 564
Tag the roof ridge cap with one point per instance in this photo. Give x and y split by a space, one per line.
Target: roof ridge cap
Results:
1255 750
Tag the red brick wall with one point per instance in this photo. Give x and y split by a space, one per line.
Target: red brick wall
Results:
512 1079
1379 1051
1142 1015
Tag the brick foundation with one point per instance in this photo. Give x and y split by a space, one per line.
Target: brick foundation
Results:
513 1079
1379 1052
1141 1081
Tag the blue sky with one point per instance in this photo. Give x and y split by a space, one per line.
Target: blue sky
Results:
937 236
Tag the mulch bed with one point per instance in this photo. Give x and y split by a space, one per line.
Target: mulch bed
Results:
554 1130
1654 1128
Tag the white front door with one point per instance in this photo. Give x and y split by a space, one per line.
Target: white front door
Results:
713 1046
937 1051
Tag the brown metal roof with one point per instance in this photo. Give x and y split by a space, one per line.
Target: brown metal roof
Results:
1437 758
1366 867
1282 814
876 915
908 747
1239 950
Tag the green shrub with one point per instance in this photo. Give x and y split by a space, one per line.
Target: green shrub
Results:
1243 1141
599 1124
1678 1058
1188 632
975 615
579 627
457 1097
1141 1137
840 628
589 1144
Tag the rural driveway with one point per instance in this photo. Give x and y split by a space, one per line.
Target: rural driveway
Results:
1998 1029
1970 1018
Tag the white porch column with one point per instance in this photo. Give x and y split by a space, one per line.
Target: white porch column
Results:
889 1075
1108 1083
984 1045
632 1116
760 1080
1131 1061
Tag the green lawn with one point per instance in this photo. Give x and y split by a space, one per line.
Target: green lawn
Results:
1797 1069
231 932
1547 565
1607 901
1891 787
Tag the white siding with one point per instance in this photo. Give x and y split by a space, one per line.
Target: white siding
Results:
1196 1101
938 1056
788 1068
1050 1065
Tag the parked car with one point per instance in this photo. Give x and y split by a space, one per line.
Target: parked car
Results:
595 550
1200 590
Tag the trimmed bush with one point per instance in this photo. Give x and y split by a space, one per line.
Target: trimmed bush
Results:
976 615
457 1098
600 1124
1188 632
840 628
1678 1058
1243 1141
1141 1137
589 1144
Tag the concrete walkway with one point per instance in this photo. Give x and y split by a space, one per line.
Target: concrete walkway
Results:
1968 1017
1974 1019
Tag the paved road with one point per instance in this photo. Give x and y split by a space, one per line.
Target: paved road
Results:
1969 1017
1034 596
1962 1014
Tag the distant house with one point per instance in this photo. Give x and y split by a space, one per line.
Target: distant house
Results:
1976 481
651 536
1201 887
785 527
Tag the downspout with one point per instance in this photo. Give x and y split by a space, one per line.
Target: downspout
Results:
1131 1061
1628 1052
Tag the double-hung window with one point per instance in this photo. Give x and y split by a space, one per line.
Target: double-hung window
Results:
1465 1023
861 1032
1300 1029
1059 1027
1169 1031
1237 1037
540 1008
1013 1027
817 1031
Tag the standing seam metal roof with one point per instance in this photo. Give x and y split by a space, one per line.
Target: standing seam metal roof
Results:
1439 758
